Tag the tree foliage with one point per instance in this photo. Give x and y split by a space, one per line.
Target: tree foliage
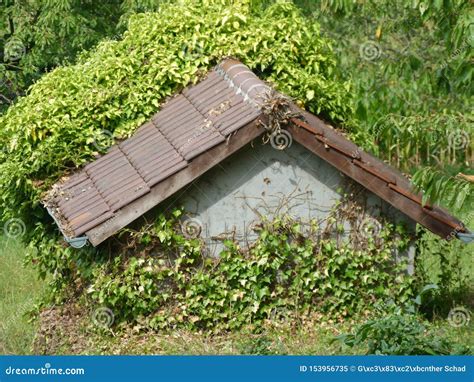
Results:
38 35
410 63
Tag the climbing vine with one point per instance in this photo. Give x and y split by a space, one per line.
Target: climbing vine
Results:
283 275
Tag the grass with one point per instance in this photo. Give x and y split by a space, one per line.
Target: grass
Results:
19 291
308 340
313 339
69 330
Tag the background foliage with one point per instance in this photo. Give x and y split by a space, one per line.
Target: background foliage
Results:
38 35
410 66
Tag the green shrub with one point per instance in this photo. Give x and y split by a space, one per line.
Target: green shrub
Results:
259 345
402 331
121 84
400 334
448 265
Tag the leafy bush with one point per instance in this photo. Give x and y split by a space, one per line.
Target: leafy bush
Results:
282 276
400 334
37 36
261 345
401 331
121 84
443 264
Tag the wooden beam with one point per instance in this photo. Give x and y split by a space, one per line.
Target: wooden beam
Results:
370 182
169 186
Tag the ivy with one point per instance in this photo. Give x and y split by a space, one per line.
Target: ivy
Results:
282 276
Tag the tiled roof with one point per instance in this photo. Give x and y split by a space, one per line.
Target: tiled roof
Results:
192 123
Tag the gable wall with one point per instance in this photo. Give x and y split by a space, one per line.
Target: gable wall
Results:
261 180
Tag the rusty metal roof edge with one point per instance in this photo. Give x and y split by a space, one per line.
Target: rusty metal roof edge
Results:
245 81
458 227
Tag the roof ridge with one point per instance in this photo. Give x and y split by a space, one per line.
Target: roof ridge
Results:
247 76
